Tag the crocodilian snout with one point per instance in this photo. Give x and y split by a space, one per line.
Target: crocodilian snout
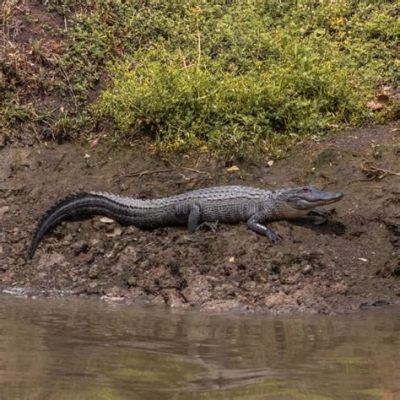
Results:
308 198
319 197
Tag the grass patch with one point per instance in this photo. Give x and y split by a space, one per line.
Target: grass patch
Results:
227 76
222 75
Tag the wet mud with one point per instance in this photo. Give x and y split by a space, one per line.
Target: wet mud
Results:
351 262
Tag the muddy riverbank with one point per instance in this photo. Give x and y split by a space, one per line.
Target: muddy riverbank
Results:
349 263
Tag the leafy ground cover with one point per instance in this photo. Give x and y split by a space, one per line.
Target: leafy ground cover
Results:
194 74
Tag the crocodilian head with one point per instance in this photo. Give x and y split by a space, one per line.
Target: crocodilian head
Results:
308 197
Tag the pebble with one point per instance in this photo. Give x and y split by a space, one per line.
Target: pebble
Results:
286 289
249 286
4 210
68 238
131 281
80 247
2 136
115 291
93 287
307 269
93 271
117 269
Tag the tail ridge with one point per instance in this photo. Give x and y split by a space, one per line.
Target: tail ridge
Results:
55 214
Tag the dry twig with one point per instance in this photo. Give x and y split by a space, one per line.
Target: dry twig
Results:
374 172
147 172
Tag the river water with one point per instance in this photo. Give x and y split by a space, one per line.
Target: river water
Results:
87 349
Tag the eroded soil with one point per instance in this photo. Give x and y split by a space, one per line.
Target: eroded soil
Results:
352 261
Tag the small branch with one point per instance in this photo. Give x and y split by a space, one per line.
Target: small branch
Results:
197 171
147 172
376 172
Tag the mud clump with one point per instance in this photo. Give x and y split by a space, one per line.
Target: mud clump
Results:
351 262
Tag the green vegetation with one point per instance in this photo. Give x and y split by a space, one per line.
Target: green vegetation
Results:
226 75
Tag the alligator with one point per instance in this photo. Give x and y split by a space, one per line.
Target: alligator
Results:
227 204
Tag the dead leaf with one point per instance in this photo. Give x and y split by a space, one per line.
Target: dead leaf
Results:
270 163
116 232
374 172
94 142
375 105
107 220
234 168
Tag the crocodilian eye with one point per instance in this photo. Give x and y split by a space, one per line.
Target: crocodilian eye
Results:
306 189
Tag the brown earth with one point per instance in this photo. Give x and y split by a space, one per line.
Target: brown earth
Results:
351 262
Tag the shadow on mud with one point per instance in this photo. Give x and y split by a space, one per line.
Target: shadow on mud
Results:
330 227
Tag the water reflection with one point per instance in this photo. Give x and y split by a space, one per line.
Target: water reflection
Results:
81 349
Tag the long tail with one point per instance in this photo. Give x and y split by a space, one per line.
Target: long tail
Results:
77 205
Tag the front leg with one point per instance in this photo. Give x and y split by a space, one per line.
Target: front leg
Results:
254 223
194 218
318 216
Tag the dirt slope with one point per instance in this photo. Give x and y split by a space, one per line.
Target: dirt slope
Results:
351 262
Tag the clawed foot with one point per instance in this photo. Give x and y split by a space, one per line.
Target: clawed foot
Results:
318 216
273 237
213 226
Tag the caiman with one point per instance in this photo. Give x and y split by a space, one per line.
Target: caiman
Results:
227 204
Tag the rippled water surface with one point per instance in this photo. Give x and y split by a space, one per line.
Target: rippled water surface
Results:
84 349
